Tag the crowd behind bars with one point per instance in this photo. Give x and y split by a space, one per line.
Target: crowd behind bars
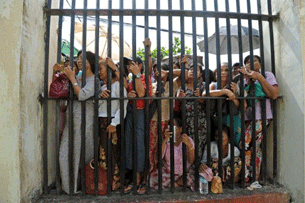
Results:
134 70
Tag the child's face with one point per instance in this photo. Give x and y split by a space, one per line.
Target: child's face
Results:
225 138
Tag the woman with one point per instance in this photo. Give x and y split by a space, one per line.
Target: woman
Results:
165 111
108 130
269 87
178 162
189 106
82 93
230 91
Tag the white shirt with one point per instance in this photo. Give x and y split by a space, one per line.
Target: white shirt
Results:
214 153
115 104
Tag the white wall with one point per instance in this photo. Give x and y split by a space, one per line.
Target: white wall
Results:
22 45
11 28
31 84
289 73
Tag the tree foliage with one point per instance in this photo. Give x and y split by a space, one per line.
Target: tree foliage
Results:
165 52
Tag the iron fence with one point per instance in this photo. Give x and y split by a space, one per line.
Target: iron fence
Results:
158 13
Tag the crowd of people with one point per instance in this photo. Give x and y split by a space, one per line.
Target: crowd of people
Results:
135 87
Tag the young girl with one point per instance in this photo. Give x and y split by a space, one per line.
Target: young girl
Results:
178 155
226 153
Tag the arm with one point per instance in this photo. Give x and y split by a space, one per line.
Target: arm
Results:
190 148
226 92
56 69
116 90
271 91
147 43
71 75
167 135
140 90
139 87
113 67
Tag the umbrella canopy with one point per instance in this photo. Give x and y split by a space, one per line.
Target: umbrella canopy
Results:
103 41
65 48
234 40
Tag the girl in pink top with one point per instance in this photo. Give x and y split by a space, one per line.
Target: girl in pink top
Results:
178 156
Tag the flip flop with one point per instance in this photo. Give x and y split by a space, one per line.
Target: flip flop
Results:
141 189
128 188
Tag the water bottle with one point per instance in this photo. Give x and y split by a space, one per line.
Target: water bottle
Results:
203 186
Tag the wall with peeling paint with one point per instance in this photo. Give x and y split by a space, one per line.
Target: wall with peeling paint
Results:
31 84
21 80
289 60
10 48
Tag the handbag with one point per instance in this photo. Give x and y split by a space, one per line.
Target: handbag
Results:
102 179
59 88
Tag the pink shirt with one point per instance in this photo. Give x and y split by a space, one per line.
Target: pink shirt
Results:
178 155
258 111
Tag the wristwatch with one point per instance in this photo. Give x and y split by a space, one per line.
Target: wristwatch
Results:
75 84
138 75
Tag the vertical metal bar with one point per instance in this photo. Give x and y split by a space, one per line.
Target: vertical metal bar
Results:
83 105
274 104
134 107
243 100
263 102
183 102
219 107
122 167
58 189
231 102
96 98
146 120
253 139
195 68
57 177
71 92
45 104
207 82
159 101
109 142
171 106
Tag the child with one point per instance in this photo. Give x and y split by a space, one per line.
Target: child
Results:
226 155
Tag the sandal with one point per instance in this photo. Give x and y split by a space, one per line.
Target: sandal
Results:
128 188
142 189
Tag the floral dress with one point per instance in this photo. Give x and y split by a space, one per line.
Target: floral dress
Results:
190 115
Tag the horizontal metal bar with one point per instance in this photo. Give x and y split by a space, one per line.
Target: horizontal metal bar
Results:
142 12
141 26
160 98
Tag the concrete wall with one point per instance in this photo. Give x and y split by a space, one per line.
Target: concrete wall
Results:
31 84
10 48
21 81
288 40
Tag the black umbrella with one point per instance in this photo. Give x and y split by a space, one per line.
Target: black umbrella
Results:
234 40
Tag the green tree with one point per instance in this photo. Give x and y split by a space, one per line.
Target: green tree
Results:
165 52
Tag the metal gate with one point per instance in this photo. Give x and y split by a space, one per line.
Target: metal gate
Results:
135 12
